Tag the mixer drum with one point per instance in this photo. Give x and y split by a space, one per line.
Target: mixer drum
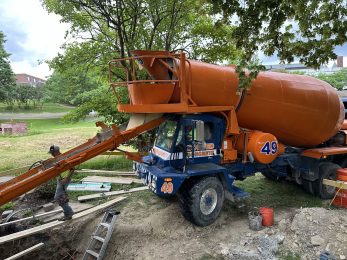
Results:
299 110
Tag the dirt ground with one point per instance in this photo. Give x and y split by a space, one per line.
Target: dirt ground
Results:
153 228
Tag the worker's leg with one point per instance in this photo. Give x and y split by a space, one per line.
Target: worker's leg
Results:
59 190
68 212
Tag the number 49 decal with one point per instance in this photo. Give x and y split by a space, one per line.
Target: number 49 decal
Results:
269 148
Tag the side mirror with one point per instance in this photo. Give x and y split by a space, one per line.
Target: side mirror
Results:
200 131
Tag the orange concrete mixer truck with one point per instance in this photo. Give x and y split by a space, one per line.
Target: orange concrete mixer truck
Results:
285 126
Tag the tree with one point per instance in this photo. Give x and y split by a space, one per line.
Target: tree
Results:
337 79
111 29
7 80
308 30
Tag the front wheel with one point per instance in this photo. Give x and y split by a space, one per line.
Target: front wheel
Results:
201 200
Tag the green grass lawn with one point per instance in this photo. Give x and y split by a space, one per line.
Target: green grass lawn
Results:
18 151
46 107
277 194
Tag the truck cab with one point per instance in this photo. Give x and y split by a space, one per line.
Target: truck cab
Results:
185 161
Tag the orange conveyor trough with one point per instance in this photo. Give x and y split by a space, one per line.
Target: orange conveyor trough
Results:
108 139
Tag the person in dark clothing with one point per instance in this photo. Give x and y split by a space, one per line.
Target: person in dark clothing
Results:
61 195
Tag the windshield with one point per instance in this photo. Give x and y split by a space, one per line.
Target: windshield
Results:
166 135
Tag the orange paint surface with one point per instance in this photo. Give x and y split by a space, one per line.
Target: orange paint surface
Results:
298 110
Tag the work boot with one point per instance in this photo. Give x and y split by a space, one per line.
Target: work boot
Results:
69 217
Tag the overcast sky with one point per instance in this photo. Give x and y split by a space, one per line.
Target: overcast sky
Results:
34 35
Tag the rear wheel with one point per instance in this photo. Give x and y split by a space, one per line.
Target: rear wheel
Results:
327 170
344 163
201 200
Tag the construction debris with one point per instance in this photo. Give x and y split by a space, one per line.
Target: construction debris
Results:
115 180
89 186
6 213
31 217
26 251
111 193
48 207
52 224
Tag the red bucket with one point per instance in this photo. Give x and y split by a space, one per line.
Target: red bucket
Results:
341 197
268 216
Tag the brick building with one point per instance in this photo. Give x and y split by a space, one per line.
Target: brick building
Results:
29 80
13 128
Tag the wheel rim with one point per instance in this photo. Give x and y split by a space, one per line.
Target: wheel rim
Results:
208 201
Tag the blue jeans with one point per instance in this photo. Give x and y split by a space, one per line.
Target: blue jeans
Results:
62 197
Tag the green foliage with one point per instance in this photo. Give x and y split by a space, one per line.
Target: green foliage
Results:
308 30
24 93
108 163
47 190
7 206
337 79
68 88
287 255
7 80
100 100
247 71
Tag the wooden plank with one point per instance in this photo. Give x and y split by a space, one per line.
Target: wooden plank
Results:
55 223
106 172
26 251
111 193
115 180
31 217
337 184
89 186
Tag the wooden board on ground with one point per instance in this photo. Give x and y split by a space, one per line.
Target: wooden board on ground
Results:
43 227
337 184
115 180
26 251
31 217
105 172
111 193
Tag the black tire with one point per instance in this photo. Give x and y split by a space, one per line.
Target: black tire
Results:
327 170
193 195
343 163
308 186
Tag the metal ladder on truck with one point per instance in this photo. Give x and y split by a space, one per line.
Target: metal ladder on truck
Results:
98 242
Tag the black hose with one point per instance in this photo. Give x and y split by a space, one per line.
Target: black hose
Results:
35 164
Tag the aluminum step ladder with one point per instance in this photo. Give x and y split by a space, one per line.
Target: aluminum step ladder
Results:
98 242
